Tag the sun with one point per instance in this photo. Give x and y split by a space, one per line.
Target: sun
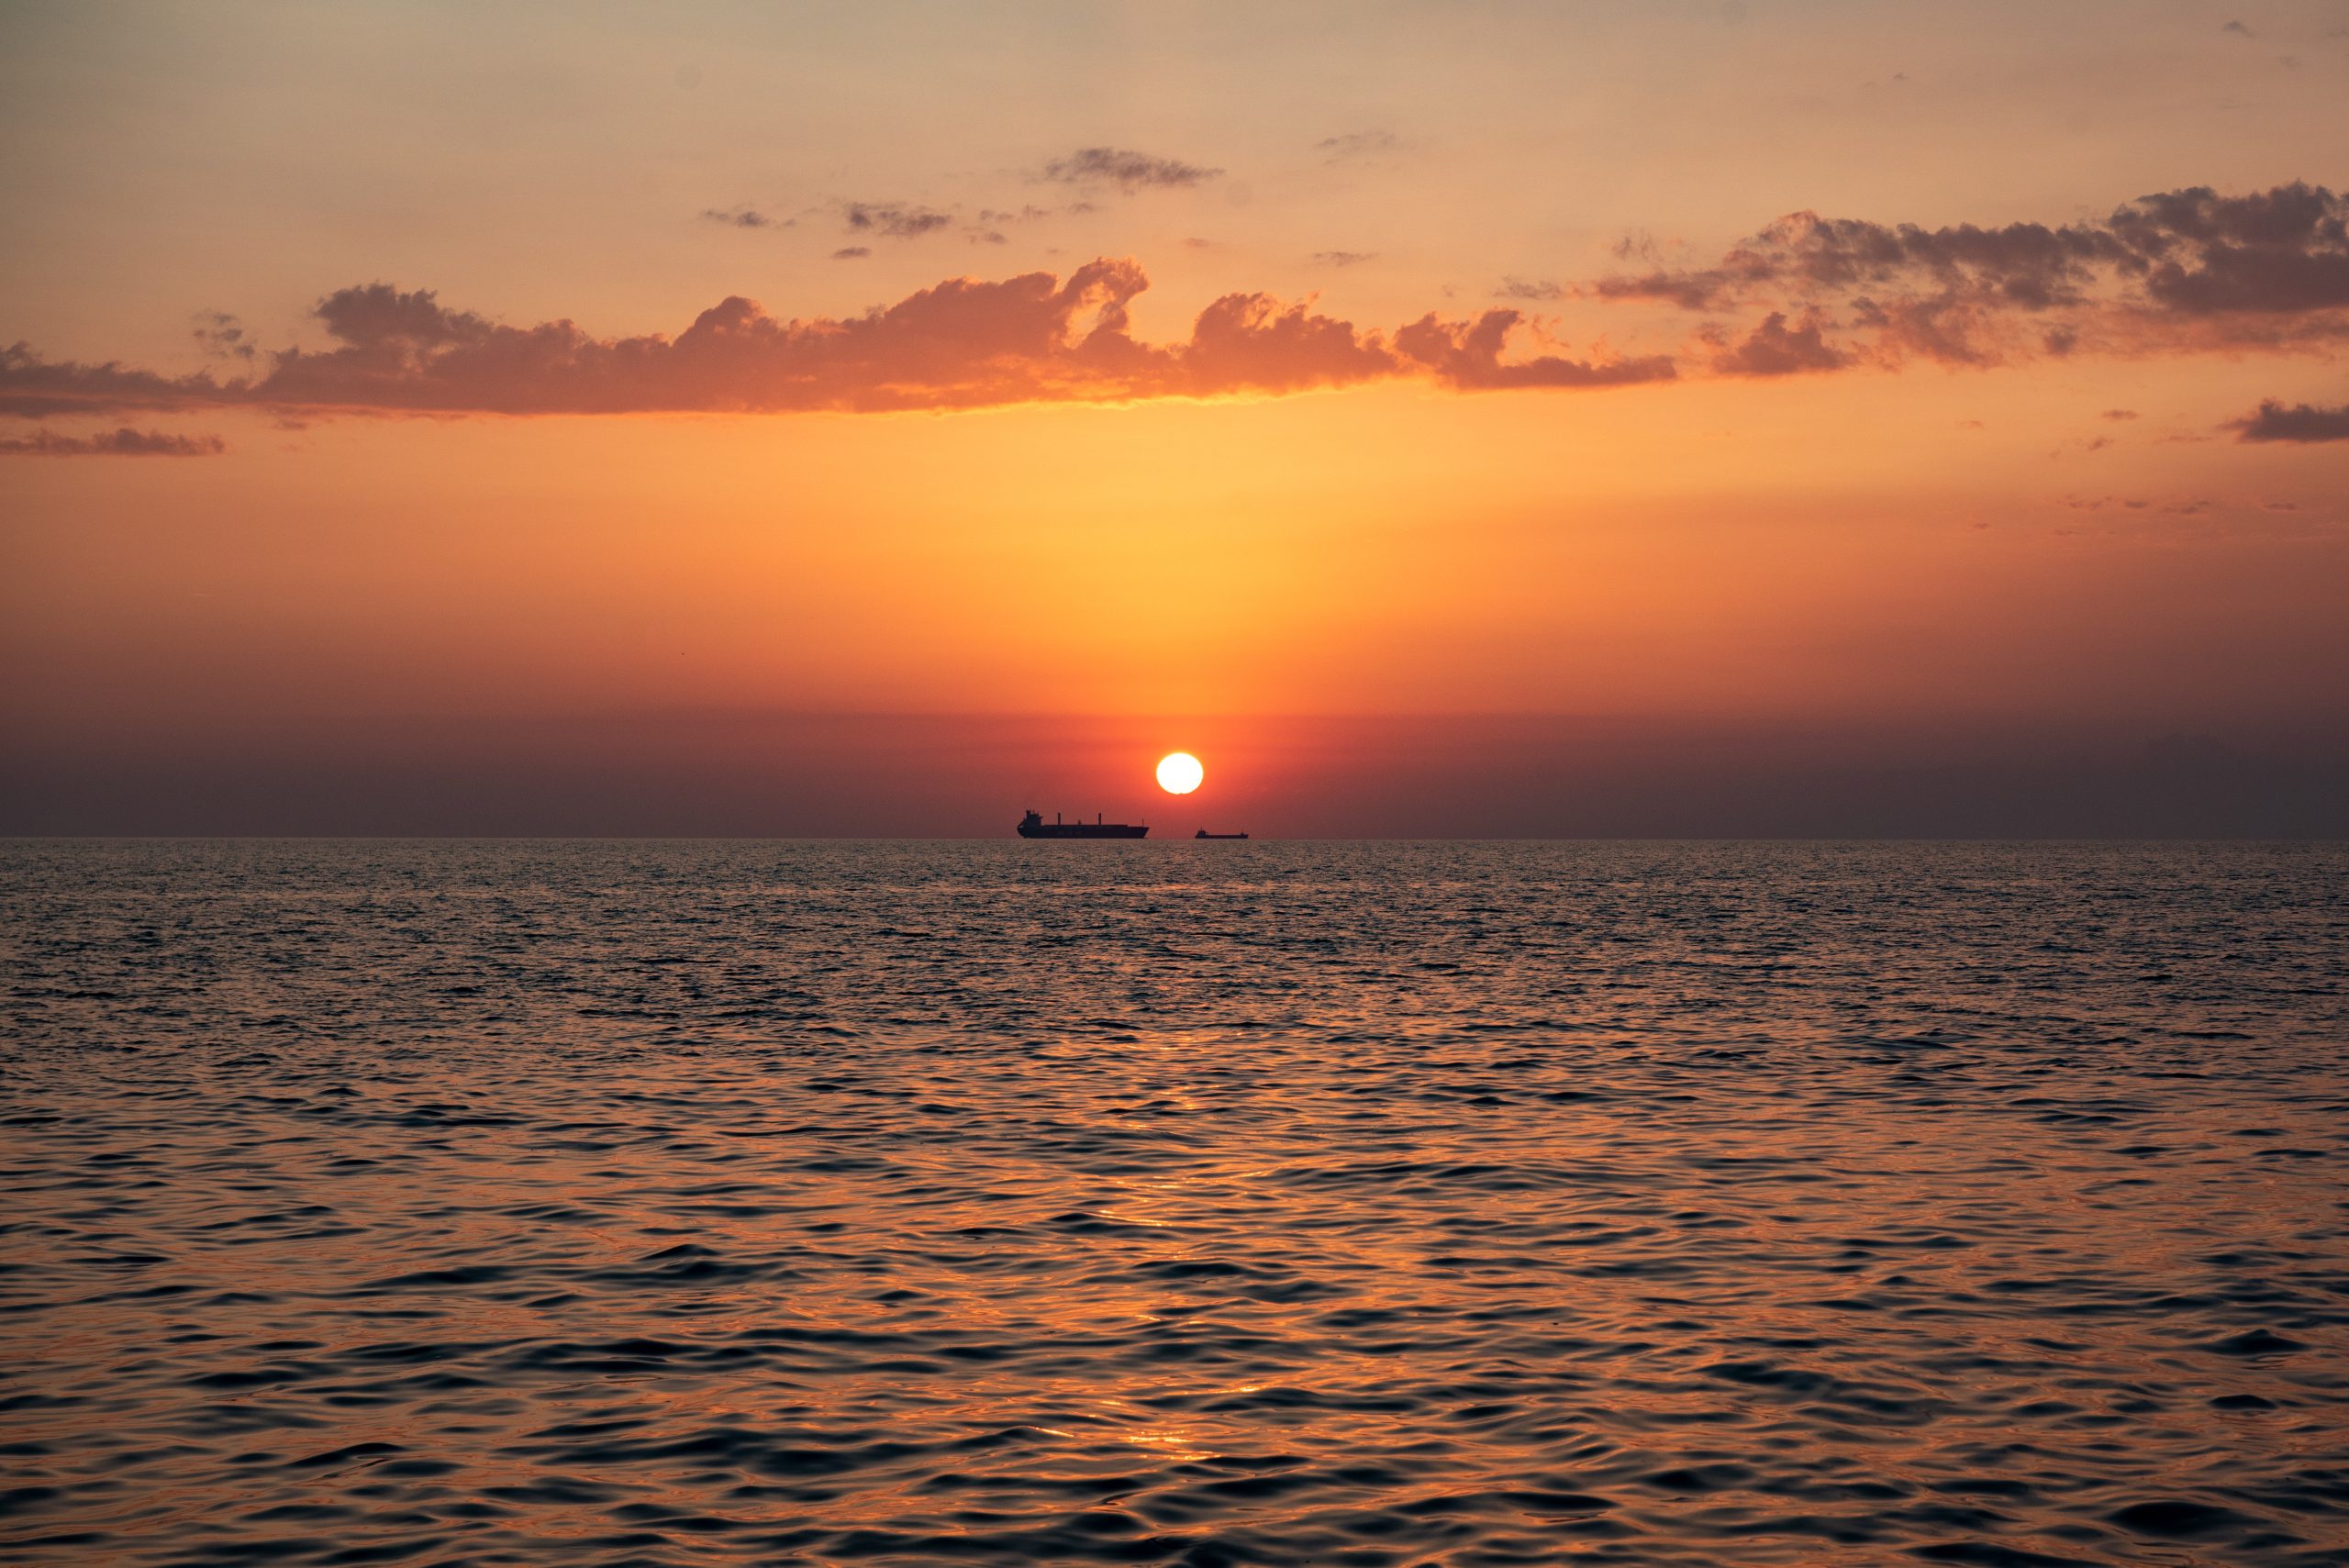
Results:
1179 772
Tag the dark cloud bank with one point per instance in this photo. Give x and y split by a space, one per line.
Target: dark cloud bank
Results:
2182 271
2303 422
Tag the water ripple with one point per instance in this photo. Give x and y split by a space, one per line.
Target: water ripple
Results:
1223 1203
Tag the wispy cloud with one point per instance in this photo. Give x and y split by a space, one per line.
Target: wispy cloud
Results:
1532 290
743 217
1357 145
1343 258
1127 170
222 335
123 442
895 220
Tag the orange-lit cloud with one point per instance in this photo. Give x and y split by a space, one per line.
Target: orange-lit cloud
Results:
2183 271
963 343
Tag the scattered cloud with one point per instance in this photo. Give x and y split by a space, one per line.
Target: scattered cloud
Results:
223 336
895 220
743 217
1357 146
1129 170
2240 29
2185 270
963 343
2299 422
1533 290
124 442
1342 258
2189 267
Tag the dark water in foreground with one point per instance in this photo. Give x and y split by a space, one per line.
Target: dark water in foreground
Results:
1173 1203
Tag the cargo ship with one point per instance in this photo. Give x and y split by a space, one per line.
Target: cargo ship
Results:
1033 826
1203 833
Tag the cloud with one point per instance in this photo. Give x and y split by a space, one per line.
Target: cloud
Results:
223 336
1774 349
2299 422
2188 267
2184 270
851 252
896 220
2117 415
1356 145
963 343
741 218
124 442
1342 258
34 388
1129 170
1533 290
2240 29
1466 355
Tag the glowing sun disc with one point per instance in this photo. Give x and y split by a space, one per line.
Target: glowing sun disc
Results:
1179 772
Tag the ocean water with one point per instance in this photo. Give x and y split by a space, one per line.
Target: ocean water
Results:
1326 1203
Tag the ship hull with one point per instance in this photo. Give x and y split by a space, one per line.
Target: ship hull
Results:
1082 830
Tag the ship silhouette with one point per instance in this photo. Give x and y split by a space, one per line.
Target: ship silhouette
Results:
1203 833
1033 826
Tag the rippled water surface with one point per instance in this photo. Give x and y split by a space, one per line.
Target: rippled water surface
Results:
1245 1203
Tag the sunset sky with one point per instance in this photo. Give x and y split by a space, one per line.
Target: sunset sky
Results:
1711 418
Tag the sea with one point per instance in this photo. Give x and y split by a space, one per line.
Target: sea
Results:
1347 1203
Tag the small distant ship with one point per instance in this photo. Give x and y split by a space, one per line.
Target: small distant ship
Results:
1033 826
1203 833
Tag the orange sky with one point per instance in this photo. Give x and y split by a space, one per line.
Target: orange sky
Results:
1934 494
